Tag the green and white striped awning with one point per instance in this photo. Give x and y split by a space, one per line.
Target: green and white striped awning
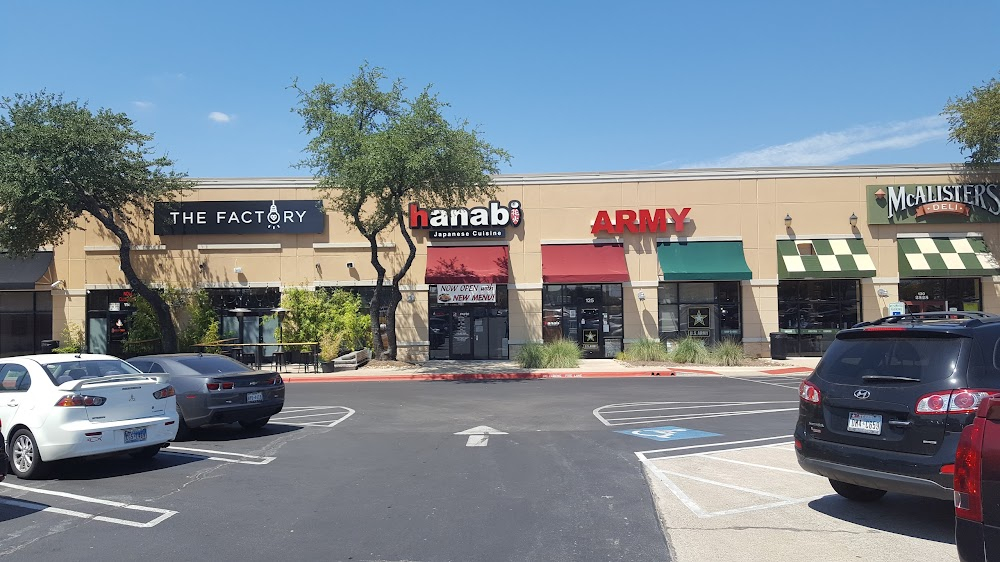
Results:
945 257
824 258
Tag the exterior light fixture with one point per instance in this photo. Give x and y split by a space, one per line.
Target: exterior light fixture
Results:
641 295
350 265
410 298
854 219
788 221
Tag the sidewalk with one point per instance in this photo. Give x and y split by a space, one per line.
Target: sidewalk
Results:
509 370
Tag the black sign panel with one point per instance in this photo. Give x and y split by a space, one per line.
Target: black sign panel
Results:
239 217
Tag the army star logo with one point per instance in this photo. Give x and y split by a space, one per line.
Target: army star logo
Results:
699 319
590 336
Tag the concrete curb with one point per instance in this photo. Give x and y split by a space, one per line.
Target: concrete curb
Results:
493 376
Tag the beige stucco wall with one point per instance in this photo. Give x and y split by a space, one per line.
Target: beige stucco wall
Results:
744 205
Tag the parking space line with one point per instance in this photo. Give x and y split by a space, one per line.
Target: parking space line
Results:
724 485
284 420
643 454
164 514
680 417
244 458
700 405
710 456
795 387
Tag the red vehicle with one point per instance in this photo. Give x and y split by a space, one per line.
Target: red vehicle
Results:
977 486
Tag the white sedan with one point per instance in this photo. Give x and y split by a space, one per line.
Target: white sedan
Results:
62 406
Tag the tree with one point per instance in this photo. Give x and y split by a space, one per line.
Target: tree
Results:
975 123
373 151
59 160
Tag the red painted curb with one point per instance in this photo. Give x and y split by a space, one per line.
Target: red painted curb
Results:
788 370
489 376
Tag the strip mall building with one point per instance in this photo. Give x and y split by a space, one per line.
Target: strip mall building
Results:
604 259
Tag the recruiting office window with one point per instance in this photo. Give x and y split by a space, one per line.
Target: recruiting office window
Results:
708 310
25 320
938 295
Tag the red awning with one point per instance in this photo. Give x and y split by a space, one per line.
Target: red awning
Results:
583 263
467 264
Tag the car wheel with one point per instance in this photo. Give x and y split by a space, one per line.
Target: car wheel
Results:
145 453
183 430
25 461
255 424
856 493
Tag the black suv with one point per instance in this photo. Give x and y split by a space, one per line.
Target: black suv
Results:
885 407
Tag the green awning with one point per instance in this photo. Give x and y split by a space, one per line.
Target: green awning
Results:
945 257
702 261
824 259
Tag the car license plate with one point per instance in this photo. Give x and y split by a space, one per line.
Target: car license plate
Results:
865 423
135 435
255 397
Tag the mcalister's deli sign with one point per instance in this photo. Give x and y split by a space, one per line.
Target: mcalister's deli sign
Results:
917 203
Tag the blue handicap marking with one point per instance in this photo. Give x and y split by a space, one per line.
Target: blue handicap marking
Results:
667 433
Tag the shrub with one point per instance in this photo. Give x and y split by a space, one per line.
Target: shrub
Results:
690 350
330 346
728 353
72 339
531 356
562 354
645 350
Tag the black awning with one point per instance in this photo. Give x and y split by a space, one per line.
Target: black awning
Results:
23 273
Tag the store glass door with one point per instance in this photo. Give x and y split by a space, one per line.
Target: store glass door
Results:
461 334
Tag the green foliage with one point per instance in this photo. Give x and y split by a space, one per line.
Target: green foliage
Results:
314 314
72 339
645 350
975 122
330 346
690 350
197 320
210 335
374 151
58 159
531 356
143 327
562 354
559 354
728 353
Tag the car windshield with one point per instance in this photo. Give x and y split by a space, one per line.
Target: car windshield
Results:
871 360
212 364
88 369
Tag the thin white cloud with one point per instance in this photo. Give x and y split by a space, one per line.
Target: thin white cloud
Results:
144 105
220 117
830 148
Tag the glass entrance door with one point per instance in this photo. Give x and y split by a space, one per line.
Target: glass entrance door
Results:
461 334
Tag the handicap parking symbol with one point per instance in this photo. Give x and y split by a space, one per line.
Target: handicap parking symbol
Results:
667 433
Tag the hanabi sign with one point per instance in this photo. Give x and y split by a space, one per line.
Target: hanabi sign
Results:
466 293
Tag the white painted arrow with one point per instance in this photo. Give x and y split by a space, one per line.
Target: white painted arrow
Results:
479 436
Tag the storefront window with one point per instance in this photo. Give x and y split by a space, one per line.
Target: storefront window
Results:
811 312
707 310
468 331
591 315
942 294
25 320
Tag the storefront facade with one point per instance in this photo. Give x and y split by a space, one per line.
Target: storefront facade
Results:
603 259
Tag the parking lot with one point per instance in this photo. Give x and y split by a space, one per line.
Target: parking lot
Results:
747 499
384 471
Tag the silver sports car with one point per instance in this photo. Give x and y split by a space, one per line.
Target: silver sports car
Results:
215 389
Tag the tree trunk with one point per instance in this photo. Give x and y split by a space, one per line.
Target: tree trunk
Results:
396 295
168 339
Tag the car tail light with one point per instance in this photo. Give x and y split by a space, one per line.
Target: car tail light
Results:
968 472
274 381
165 392
885 329
809 392
71 400
959 401
213 386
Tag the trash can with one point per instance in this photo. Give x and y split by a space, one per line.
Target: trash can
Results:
49 345
779 345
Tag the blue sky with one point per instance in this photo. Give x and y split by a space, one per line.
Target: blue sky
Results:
563 86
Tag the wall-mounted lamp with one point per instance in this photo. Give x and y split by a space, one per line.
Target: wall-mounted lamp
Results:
58 284
882 293
350 265
410 298
237 270
854 219
788 221
319 268
641 295
202 266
